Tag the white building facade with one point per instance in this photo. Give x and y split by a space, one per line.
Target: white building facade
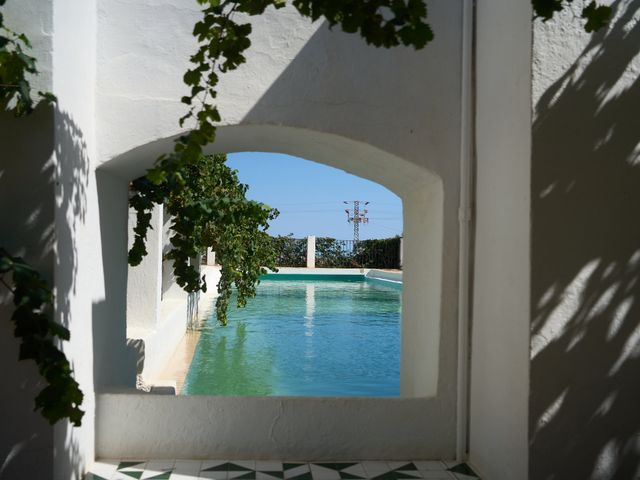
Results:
513 146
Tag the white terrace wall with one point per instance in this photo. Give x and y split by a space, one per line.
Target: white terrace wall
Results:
116 67
158 310
27 216
48 205
389 116
500 365
557 248
585 249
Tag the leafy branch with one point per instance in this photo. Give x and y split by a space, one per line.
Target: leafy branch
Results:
596 16
211 210
33 301
222 44
15 66
223 219
32 297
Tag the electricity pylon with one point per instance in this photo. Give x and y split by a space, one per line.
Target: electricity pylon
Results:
357 216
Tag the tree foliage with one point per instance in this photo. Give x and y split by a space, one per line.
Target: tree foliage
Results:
378 253
290 252
208 208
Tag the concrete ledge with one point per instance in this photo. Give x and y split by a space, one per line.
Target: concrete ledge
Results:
161 426
160 389
319 271
388 275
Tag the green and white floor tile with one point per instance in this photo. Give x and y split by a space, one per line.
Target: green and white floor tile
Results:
277 470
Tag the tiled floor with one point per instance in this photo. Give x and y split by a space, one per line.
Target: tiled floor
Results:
276 470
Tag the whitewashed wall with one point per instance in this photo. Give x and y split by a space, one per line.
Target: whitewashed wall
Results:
269 427
389 116
499 387
585 248
116 67
158 309
27 193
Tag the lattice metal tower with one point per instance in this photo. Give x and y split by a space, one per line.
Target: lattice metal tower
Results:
357 216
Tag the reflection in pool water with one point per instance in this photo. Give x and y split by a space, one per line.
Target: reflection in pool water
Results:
304 338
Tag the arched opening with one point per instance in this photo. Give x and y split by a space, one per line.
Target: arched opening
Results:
422 195
328 322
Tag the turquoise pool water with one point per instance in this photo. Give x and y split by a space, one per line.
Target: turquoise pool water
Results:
304 338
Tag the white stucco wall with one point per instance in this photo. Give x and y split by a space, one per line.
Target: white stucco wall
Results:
585 252
269 428
78 269
556 246
390 116
159 311
499 387
144 281
63 35
26 229
423 371
324 96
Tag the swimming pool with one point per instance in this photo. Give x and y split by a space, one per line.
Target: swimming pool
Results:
338 336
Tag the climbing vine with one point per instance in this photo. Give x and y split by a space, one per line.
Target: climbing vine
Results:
222 43
209 209
15 67
226 221
32 297
33 301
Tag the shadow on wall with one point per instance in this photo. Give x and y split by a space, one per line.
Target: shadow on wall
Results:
585 371
405 102
114 361
72 176
26 186
337 83
71 179
32 183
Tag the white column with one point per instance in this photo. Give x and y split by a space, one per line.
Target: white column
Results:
311 251
144 281
211 257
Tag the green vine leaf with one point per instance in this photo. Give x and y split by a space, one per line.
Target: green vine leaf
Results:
15 67
32 297
597 16
33 301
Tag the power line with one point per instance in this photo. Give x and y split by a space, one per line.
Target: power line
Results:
295 204
333 210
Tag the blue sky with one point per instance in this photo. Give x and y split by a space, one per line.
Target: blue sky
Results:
310 196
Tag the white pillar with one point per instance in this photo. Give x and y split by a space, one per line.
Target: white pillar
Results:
311 251
211 257
144 281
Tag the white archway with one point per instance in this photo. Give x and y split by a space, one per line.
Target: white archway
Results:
414 428
422 195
